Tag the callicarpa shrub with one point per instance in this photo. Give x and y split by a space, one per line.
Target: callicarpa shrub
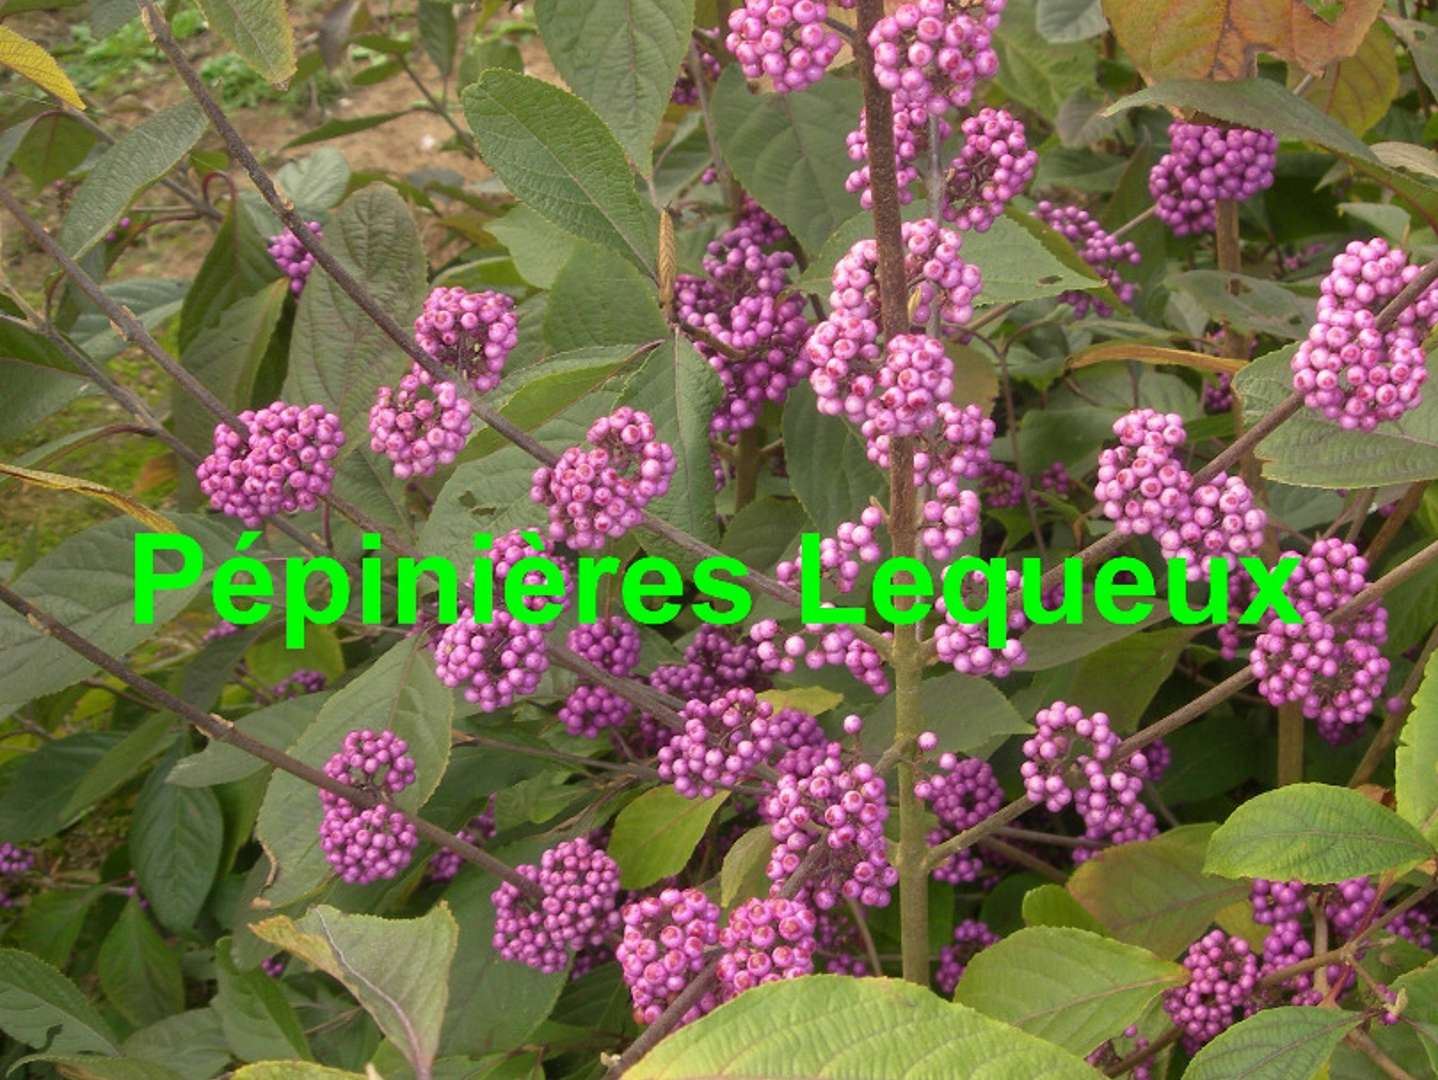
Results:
778 537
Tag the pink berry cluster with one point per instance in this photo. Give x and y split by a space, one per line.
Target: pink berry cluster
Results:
1143 488
971 937
785 40
1223 979
1348 368
420 424
851 803
1207 164
932 54
15 860
1096 247
365 845
444 864
281 467
292 257
611 644
961 794
843 555
722 742
685 92
715 660
819 645
966 647
1218 395
1056 480
994 165
222 629
472 332
744 302
912 143
304 681
1280 906
765 941
579 887
663 948
600 494
1336 672
914 379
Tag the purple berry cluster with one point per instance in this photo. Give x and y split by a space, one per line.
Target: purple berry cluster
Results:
15 860
994 165
282 467
820 645
611 644
579 884
1109 1055
843 555
365 845
722 742
472 332
444 864
1280 906
1205 165
765 941
1347 368
663 949
600 494
965 645
961 794
1336 672
222 629
1218 395
1096 247
914 379
851 803
932 54
685 92
420 424
304 681
912 141
785 40
292 257
1223 979
971 937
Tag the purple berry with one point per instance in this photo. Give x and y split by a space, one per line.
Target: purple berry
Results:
281 468
293 259
1205 165
663 949
470 332
580 887
366 845
765 941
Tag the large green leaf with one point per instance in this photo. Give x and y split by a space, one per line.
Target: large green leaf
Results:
1315 833
680 391
852 1029
1358 90
1033 68
400 692
600 299
337 355
191 1044
622 57
556 155
258 1020
655 835
1311 451
1155 893
52 921
540 249
138 158
1421 988
42 1008
1286 1043
1416 771
176 838
122 763
259 30
1072 987
787 150
1249 304
139 973
34 803
398 969
38 390
968 714
277 725
833 477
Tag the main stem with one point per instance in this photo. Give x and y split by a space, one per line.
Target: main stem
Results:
908 659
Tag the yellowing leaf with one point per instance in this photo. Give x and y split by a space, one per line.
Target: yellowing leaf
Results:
56 482
1357 90
814 700
24 57
1222 39
1154 354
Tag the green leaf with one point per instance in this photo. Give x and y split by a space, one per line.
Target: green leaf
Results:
746 865
787 150
834 1026
175 841
1422 43
257 1018
600 299
1069 986
337 354
138 971
53 147
277 725
1032 68
191 1044
1311 451
439 31
539 249
1062 21
92 1067
334 129
680 391
622 57
556 155
398 969
655 835
1061 643
1017 266
1250 304
42 1008
399 692
763 531
259 30
969 715
316 182
1314 833
122 763
139 158
1155 893
34 802
1123 678
52 920
833 478
1421 988
1285 1043
1051 905
39 391
237 265
1416 771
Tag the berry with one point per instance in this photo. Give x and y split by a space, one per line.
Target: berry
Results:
912 137
601 493
685 92
444 864
1223 978
15 860
420 424
916 376
1205 165
785 40
765 941
611 644
495 661
662 950
470 332
994 165
365 845
971 937
304 681
965 645
282 466
1097 248
1069 759
588 710
931 58
273 966
1218 396
721 744
293 259
961 795
580 887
